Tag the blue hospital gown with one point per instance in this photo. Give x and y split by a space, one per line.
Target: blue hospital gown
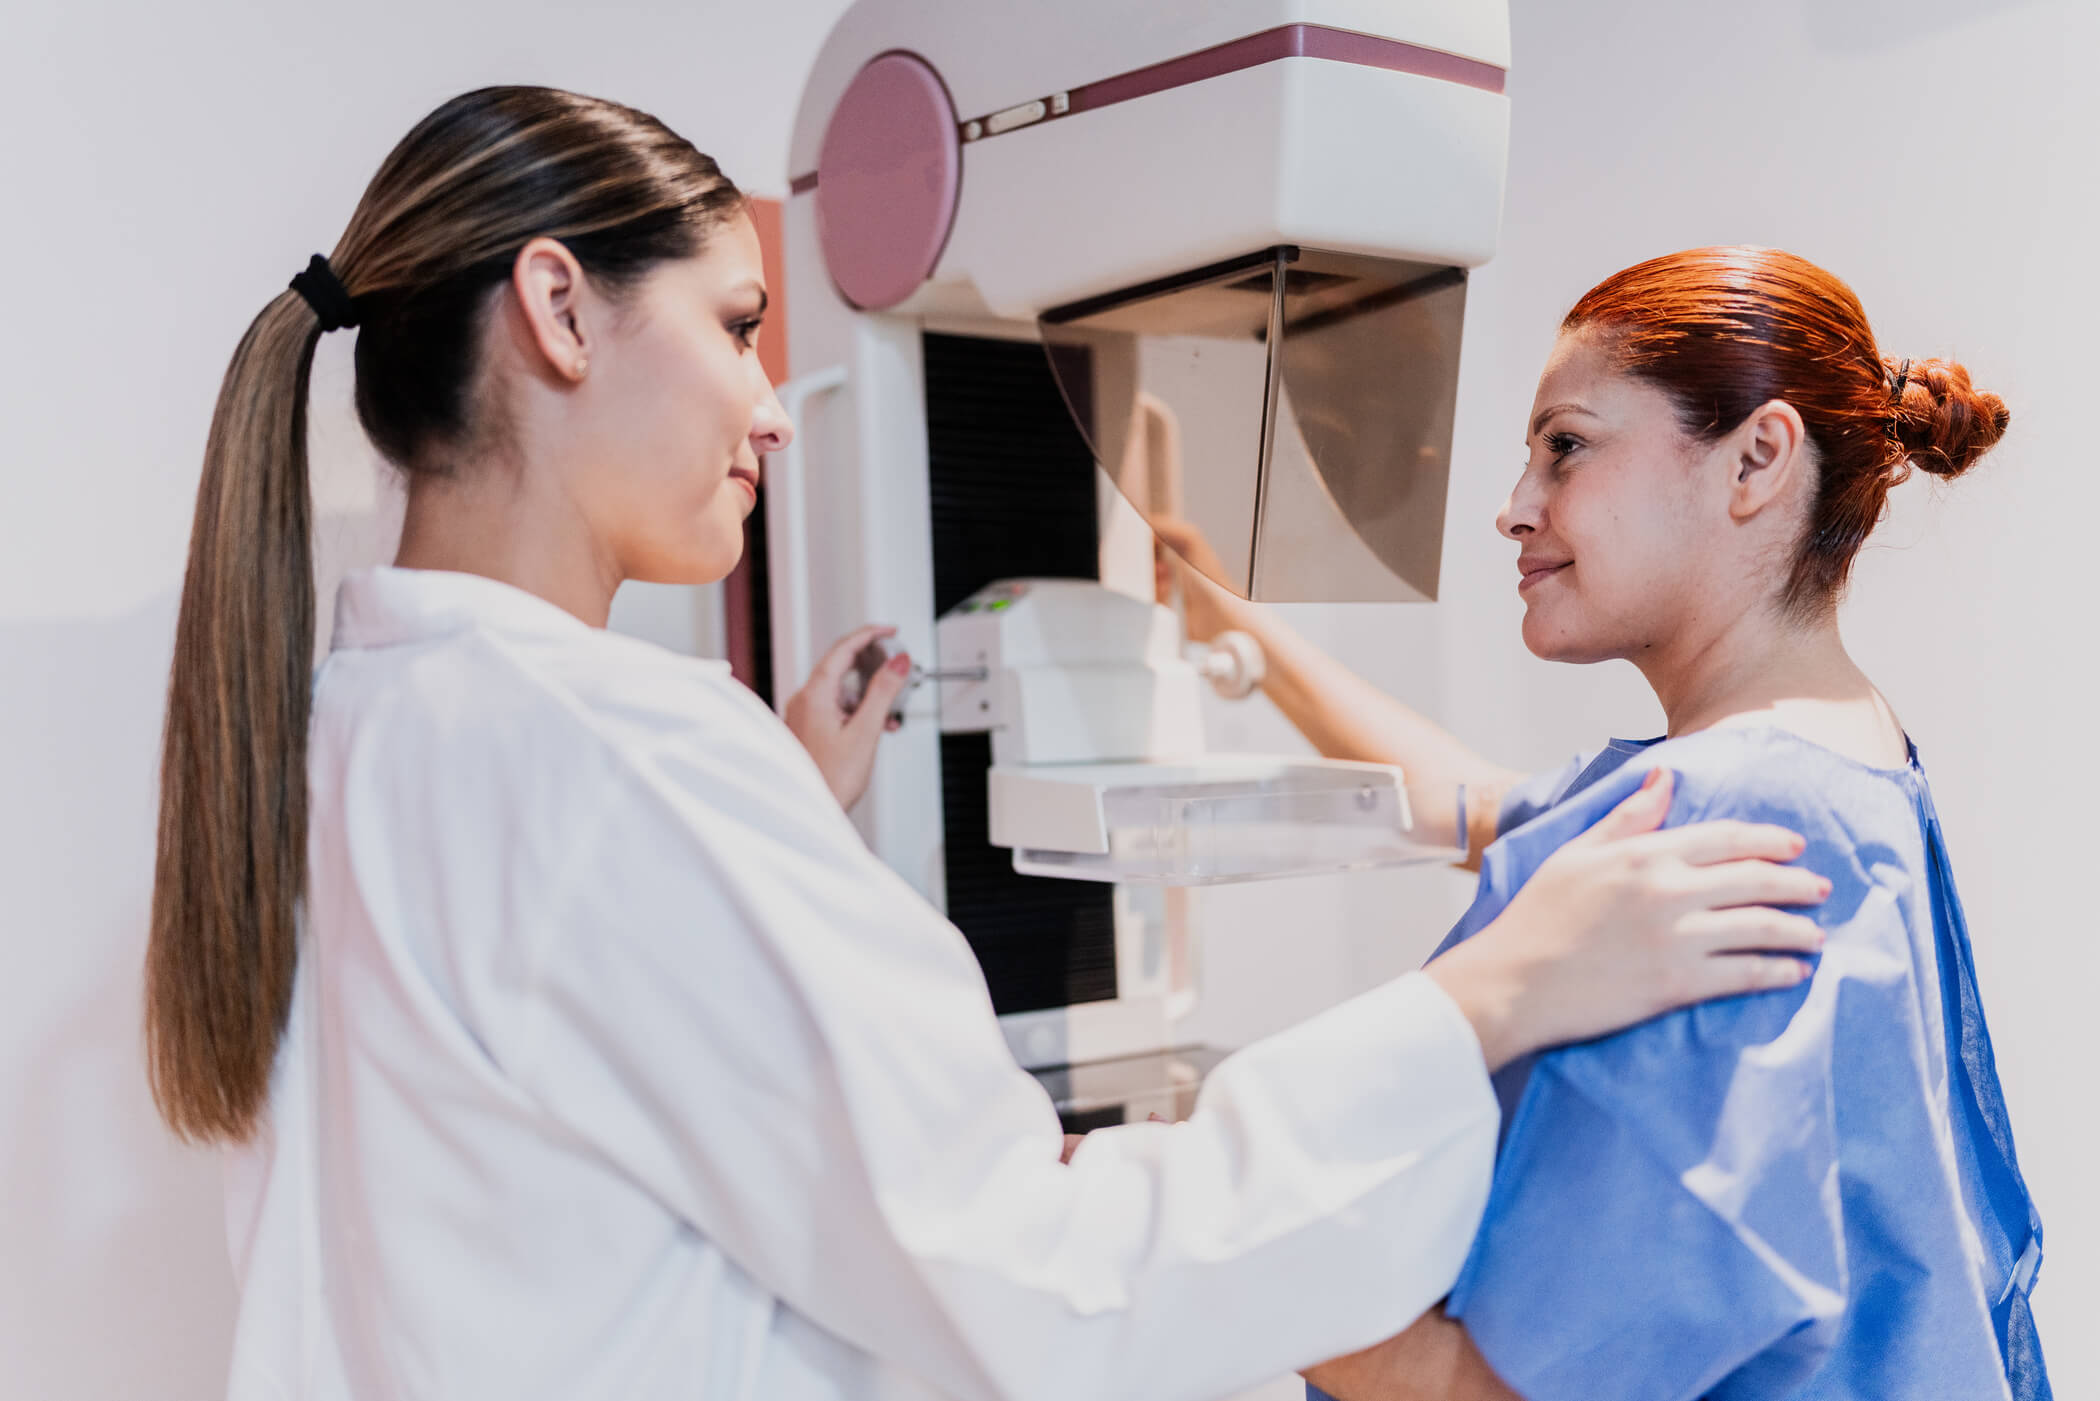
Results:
1809 1193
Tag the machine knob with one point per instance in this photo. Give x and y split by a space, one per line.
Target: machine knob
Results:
1235 666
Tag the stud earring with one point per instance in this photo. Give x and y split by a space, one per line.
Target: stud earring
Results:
583 362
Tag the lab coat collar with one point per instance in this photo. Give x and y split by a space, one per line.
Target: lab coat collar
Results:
383 605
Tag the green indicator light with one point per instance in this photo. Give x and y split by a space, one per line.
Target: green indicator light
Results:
999 603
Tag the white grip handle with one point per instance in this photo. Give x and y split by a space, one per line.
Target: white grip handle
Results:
787 537
1235 665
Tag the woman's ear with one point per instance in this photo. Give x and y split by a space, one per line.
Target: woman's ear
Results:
1770 454
552 296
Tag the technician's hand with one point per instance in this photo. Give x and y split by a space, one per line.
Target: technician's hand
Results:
1626 922
844 745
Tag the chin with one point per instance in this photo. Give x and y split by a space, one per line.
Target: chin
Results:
1553 640
698 562
718 564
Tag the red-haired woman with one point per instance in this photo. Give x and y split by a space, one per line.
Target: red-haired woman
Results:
1810 1194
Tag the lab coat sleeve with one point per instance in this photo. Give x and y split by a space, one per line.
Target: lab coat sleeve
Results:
744 1010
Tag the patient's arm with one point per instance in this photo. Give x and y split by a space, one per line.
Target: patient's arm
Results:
1342 714
1433 1360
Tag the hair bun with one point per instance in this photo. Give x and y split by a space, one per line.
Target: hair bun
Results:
1944 422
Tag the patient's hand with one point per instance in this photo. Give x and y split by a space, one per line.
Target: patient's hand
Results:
1433 1360
1181 555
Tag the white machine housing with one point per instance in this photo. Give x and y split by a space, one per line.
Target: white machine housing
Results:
1338 156
1074 673
1099 770
1056 206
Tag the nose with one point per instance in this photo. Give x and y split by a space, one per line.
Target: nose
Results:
770 429
1522 511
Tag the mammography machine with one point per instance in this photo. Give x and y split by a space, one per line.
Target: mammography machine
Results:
1056 269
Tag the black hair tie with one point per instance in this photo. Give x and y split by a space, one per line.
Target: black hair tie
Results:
325 294
1902 378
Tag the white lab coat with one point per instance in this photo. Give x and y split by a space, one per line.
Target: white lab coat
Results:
618 1067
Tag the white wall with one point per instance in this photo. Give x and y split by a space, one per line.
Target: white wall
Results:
1941 156
167 169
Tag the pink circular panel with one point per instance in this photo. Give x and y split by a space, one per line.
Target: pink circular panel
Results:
887 180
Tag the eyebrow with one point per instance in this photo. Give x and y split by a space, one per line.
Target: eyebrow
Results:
752 284
1548 412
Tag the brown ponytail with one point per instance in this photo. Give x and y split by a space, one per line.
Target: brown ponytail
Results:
1723 331
232 846
425 254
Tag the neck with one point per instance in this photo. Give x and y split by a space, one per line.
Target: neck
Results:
1761 665
492 522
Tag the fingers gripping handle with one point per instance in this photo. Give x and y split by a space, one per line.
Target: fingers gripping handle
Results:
787 534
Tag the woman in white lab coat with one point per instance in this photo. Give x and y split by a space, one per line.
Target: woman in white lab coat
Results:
568 1041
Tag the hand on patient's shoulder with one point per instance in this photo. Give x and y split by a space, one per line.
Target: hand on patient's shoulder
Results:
1622 922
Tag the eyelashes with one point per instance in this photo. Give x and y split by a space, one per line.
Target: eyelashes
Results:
746 331
1558 446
